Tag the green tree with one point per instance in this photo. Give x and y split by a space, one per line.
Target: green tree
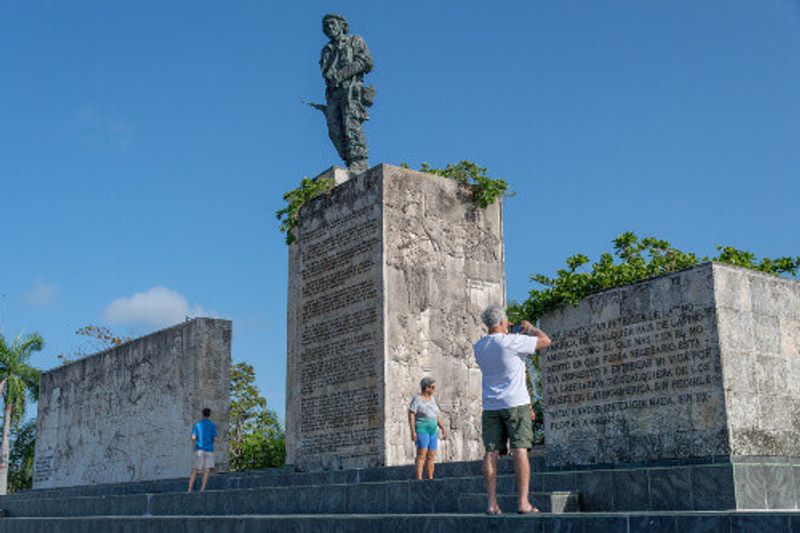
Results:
18 382
257 438
20 471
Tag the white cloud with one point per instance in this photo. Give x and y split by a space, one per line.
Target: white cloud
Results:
98 130
41 295
157 307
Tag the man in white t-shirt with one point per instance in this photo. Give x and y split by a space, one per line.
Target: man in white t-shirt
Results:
506 403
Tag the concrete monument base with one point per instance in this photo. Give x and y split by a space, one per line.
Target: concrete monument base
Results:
682 390
698 363
387 280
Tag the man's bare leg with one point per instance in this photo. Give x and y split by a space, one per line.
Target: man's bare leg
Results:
192 477
490 474
206 473
430 461
522 470
419 462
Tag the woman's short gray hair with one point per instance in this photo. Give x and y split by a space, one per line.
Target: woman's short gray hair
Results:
426 382
493 315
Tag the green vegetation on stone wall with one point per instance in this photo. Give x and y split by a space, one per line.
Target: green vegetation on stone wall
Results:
296 198
485 190
631 260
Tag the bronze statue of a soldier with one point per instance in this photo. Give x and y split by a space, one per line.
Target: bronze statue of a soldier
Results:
344 61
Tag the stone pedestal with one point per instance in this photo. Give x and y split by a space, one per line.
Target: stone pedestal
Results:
699 367
386 284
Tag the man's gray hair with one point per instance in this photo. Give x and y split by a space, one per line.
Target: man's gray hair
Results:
493 315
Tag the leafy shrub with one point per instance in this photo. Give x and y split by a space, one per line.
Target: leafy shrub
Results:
296 198
473 177
632 260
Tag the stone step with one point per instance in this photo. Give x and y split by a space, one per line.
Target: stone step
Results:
677 522
276 477
406 496
546 502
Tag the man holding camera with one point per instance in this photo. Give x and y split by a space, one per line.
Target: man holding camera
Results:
506 402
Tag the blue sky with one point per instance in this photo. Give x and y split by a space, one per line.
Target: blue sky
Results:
145 146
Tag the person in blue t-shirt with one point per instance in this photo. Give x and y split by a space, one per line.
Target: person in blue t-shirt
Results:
203 435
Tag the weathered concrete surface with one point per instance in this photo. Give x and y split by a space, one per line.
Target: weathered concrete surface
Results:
759 334
386 284
126 414
698 363
443 262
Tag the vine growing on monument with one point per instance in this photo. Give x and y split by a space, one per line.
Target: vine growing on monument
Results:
296 198
484 189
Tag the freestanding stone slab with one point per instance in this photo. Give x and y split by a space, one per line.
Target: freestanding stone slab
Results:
386 284
126 414
700 363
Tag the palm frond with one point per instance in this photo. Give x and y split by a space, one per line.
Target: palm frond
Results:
33 342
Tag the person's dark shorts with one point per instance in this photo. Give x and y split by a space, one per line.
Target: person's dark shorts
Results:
507 427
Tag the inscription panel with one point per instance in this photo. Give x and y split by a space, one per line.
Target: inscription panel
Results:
633 375
123 415
387 280
339 348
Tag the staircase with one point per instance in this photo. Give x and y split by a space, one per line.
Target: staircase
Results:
376 499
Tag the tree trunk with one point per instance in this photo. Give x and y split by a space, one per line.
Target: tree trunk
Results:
5 447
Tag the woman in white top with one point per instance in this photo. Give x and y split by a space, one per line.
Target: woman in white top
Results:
424 419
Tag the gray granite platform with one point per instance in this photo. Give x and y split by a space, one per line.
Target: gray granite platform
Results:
719 483
712 522
386 499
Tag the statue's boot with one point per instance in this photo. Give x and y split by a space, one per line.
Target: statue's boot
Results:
359 166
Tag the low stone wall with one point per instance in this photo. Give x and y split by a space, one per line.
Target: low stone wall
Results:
126 414
698 363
